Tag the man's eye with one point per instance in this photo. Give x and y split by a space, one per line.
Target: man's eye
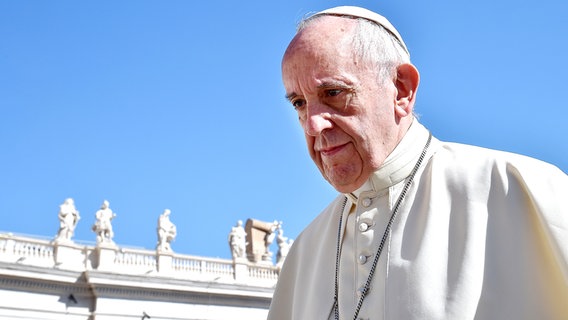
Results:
299 103
333 92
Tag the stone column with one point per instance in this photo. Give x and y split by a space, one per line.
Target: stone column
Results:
164 262
241 267
106 253
68 256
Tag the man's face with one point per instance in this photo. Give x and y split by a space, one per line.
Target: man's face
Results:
345 109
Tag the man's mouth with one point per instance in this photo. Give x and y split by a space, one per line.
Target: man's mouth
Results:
331 151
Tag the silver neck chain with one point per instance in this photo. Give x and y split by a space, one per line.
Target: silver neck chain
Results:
365 289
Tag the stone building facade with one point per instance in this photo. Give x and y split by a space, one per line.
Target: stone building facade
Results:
60 279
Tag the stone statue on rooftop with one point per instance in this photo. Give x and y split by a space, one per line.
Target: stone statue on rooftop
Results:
166 232
259 237
284 245
237 241
103 226
68 219
269 238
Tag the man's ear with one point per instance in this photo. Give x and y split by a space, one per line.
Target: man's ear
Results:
406 82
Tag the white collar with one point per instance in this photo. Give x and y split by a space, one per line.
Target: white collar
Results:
398 165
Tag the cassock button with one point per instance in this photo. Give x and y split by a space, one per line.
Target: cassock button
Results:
362 259
367 202
363 226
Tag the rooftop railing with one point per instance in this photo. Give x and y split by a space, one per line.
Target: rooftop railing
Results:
68 255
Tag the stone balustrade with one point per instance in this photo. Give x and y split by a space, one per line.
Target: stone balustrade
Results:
68 255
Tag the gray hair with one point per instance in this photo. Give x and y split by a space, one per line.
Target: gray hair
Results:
373 43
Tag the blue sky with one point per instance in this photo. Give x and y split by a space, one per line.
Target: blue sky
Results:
179 104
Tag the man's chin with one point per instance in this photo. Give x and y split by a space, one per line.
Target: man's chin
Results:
344 179
344 187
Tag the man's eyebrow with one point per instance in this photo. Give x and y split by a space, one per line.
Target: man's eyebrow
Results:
334 84
290 96
325 85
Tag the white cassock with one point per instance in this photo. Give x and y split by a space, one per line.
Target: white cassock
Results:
481 234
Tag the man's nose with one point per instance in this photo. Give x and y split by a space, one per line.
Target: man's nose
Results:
317 120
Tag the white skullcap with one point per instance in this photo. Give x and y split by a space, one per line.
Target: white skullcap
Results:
363 13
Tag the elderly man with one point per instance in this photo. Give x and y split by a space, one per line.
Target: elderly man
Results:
422 229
